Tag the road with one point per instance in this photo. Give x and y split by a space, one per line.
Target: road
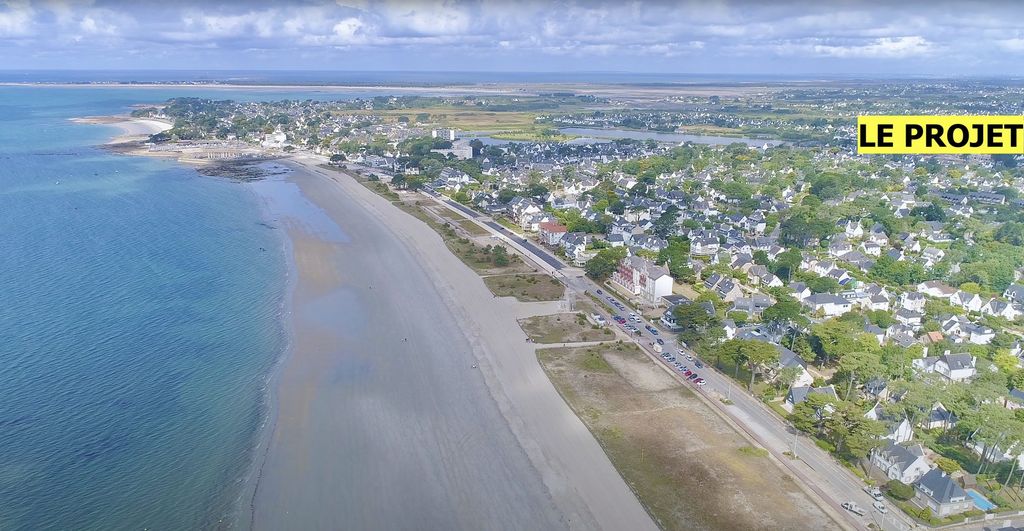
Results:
818 471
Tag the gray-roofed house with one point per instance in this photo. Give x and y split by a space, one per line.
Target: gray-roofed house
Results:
937 491
903 463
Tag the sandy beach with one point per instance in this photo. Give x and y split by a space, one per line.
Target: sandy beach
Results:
410 398
132 129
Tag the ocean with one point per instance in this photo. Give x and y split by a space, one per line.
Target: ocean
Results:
140 317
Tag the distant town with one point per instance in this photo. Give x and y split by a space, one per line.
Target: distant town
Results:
874 303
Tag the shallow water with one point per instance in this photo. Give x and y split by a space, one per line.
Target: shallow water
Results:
139 317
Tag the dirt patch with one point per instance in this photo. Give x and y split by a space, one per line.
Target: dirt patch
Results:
688 467
563 328
527 288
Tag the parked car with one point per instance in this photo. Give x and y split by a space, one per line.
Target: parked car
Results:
880 507
854 508
692 376
687 373
700 381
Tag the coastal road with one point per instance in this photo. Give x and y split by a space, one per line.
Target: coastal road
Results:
818 471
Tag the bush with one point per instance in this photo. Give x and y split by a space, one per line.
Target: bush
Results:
899 490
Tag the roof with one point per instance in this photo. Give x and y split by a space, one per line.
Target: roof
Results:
901 456
939 486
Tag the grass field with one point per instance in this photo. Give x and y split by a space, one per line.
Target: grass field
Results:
689 468
563 328
526 288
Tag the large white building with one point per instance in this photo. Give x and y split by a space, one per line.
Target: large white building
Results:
642 278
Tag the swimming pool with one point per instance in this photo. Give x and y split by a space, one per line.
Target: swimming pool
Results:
980 501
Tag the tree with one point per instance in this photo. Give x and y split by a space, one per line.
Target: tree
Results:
337 157
696 323
808 416
784 311
1011 233
931 212
752 353
947 465
666 223
859 366
604 263
899 490
499 256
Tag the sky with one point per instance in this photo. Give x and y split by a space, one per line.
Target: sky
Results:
933 38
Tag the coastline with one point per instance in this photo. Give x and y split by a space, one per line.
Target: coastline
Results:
132 129
581 486
538 466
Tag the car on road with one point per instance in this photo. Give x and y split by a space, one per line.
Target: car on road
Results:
854 508
599 292
880 507
873 492
651 329
698 364
660 341
689 357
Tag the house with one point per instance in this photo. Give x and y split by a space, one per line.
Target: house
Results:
912 301
954 367
934 288
575 246
800 290
797 395
909 318
939 418
1002 309
1014 293
643 279
520 207
828 304
754 305
905 464
937 491
898 429
960 329
551 232
971 302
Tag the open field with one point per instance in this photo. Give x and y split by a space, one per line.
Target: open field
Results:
526 288
563 328
689 468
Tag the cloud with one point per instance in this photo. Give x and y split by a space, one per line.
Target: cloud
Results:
16 18
586 34
883 48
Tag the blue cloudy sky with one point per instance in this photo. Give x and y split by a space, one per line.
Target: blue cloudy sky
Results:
730 37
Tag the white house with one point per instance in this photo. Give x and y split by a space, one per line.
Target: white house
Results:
971 302
903 463
828 304
642 278
954 367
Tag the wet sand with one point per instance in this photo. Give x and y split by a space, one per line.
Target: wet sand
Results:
381 420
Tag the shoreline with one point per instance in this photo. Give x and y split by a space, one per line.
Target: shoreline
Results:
558 474
588 493
132 129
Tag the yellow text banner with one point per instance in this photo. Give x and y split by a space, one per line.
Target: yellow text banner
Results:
935 135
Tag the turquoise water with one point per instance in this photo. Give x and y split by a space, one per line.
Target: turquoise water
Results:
980 501
140 313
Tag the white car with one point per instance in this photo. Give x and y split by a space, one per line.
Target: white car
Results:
880 507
